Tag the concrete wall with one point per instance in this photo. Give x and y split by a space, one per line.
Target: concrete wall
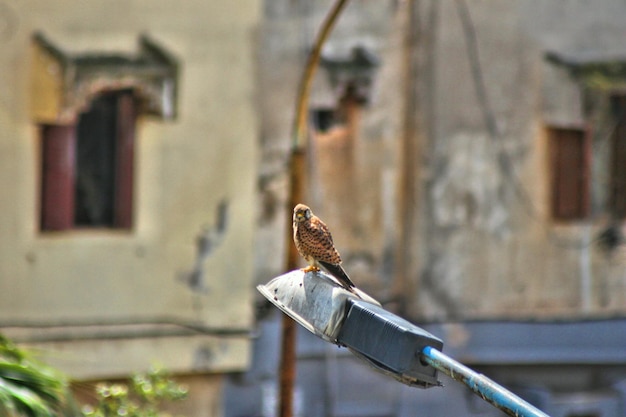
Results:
443 219
491 247
100 284
434 212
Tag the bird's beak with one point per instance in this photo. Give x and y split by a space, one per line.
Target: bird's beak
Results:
299 216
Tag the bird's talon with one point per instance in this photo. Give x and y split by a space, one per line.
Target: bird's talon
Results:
310 269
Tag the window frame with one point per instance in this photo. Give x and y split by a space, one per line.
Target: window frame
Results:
570 196
59 169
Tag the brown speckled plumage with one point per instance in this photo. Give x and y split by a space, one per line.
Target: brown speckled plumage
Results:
315 244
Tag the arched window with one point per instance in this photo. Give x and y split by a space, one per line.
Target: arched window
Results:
87 167
87 105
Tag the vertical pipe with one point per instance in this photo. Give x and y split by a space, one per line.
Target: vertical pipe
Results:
585 269
482 386
288 344
405 266
287 366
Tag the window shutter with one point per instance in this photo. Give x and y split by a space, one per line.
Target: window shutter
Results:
570 154
58 157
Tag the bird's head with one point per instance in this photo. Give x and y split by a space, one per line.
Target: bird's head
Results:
301 213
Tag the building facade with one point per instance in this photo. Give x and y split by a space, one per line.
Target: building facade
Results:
467 155
128 162
474 185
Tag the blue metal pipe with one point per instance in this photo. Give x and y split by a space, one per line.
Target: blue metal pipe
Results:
480 384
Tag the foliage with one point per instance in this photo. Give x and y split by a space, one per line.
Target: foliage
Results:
143 397
29 388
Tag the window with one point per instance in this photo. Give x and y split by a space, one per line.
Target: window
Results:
570 153
617 194
323 119
87 168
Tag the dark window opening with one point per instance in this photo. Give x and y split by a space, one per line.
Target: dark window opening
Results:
323 119
95 164
570 168
344 114
617 194
87 175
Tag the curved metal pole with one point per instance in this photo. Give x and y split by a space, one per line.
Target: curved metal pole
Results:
297 172
482 386
302 102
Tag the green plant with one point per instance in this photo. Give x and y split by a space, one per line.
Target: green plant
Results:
28 387
142 397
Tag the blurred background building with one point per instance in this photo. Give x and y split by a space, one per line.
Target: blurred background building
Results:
128 135
469 157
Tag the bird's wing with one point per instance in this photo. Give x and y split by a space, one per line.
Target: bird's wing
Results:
338 272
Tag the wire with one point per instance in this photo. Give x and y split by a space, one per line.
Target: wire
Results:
477 71
504 160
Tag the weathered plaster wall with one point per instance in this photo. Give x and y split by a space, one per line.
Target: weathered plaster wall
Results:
184 170
493 249
481 241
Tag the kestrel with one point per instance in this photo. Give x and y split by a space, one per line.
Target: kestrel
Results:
315 244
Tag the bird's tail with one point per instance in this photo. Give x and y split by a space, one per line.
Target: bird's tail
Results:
338 272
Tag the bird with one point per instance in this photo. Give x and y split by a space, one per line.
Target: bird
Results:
315 244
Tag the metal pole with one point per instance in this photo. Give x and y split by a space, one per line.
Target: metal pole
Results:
482 386
297 170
